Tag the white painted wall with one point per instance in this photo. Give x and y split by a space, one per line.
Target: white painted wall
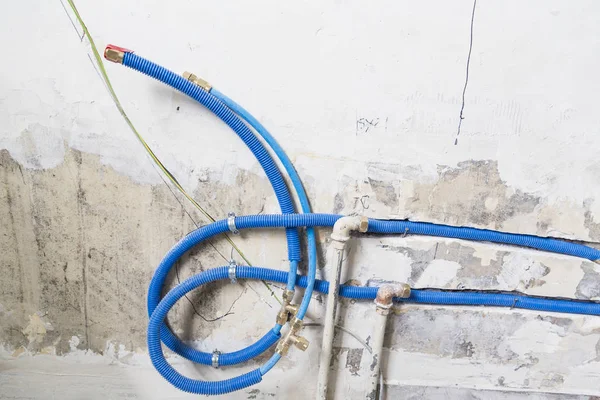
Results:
314 73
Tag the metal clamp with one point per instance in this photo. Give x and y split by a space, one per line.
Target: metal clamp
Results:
231 223
232 271
215 358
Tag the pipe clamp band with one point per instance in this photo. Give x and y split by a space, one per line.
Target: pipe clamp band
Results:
231 223
215 358
232 271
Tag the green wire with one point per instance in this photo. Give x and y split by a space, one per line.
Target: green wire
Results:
151 153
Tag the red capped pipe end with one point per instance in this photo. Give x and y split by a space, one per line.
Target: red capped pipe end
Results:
115 53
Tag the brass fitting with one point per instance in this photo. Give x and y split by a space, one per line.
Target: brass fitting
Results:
114 55
285 311
386 294
288 296
363 226
291 338
287 308
198 81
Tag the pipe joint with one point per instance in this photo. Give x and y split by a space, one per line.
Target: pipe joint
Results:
197 80
285 312
115 53
292 338
386 294
344 226
287 307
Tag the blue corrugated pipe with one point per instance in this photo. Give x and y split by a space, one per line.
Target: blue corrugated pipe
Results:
214 104
304 204
161 332
209 101
327 220
222 106
417 296
296 182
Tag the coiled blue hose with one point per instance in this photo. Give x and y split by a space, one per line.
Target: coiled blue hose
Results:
417 296
156 327
296 182
209 101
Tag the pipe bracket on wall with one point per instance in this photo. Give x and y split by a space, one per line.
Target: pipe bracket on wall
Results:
215 358
232 271
231 223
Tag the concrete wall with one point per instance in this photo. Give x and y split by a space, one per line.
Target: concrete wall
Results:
366 99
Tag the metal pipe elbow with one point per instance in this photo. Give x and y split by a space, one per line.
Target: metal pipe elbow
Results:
344 226
386 293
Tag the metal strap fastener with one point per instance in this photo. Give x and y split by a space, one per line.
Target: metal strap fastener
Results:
232 271
231 223
215 358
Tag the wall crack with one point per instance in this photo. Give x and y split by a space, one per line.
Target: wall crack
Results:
462 106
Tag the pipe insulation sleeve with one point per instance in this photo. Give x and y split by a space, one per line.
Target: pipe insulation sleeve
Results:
299 188
484 235
209 101
296 220
417 296
233 114
155 292
155 348
439 297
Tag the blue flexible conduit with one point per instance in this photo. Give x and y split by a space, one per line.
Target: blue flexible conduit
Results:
161 332
233 121
296 182
417 296
226 109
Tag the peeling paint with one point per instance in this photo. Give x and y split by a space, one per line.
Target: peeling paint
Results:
85 242
353 360
36 329
589 286
88 218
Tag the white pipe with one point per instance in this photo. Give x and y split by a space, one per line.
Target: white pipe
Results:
383 301
340 235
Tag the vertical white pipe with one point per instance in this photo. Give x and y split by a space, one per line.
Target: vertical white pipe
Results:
383 301
340 235
380 323
329 324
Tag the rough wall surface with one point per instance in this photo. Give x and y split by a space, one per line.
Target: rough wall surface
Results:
367 102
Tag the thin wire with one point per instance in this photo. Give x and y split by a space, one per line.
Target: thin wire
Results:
363 342
151 153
